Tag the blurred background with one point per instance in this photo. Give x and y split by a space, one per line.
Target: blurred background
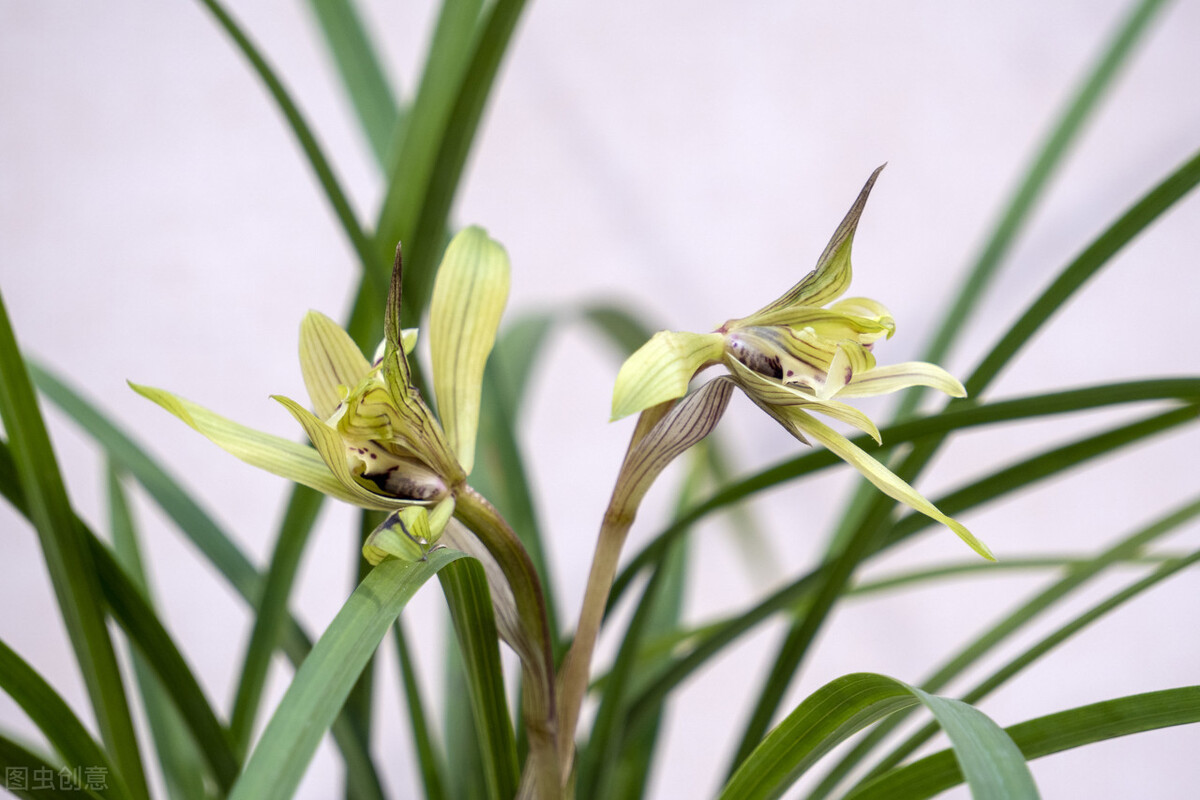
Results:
687 161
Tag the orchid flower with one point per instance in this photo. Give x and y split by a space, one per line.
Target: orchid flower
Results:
376 444
799 355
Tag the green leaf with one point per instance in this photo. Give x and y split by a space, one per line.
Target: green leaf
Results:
470 603
271 618
54 718
453 145
207 536
68 559
994 767
431 762
959 417
1048 643
361 72
324 680
308 142
1044 736
800 590
181 763
1064 133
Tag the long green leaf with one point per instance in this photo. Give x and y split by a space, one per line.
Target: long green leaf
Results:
144 629
324 680
1044 736
68 559
1048 643
875 521
182 764
1023 615
454 146
959 417
470 603
789 596
54 718
994 767
361 72
203 531
1063 135
308 142
431 762
272 612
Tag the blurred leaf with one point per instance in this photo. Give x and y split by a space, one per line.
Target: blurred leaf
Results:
430 761
308 142
181 763
362 74
957 418
800 590
21 761
68 559
324 680
54 718
200 528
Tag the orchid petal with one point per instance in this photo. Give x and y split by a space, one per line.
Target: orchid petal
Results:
866 308
781 394
662 368
884 380
332 450
832 275
850 359
468 299
329 358
883 478
831 323
282 457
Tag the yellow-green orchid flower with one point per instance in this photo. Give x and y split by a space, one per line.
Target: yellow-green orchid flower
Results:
797 355
377 444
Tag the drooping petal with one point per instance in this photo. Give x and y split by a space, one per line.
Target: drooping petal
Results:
781 394
831 277
282 457
883 478
421 486
892 378
662 368
468 299
688 422
329 358
404 535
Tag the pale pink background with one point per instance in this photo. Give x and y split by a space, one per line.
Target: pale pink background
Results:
158 223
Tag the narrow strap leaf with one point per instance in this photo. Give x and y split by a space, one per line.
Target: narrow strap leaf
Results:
68 560
324 680
467 595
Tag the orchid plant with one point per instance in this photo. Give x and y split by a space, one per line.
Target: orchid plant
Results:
428 449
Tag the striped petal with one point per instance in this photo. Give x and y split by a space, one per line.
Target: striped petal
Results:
892 378
329 358
883 478
282 457
832 275
781 394
468 299
662 368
